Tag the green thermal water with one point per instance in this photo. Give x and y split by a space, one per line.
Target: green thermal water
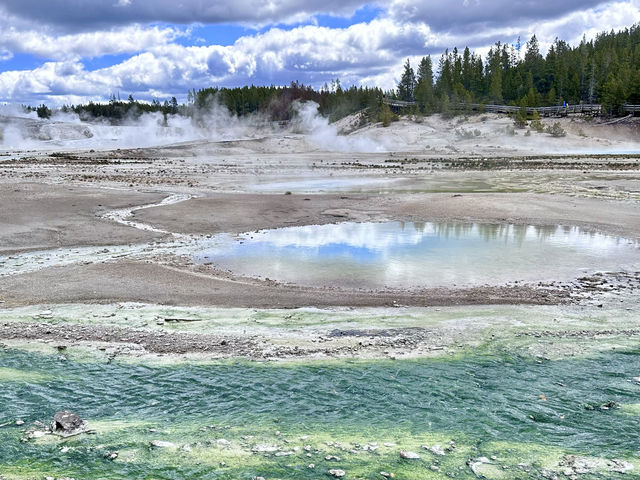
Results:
489 405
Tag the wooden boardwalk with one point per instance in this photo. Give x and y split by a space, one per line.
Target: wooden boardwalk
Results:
557 111
592 109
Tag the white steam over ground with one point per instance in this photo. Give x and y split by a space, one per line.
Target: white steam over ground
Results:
325 135
21 130
486 135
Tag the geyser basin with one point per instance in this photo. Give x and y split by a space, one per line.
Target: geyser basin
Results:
421 255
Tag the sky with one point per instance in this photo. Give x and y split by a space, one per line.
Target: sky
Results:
72 51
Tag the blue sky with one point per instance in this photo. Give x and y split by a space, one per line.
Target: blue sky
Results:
68 51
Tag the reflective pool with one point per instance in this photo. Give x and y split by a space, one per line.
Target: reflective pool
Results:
401 254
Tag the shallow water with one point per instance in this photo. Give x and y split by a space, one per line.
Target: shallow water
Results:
398 254
488 405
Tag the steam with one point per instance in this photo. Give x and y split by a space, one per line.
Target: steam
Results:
325 136
20 130
485 135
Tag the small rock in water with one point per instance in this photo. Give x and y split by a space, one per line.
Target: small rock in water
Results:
111 455
475 464
67 422
284 454
262 448
620 466
409 455
336 472
19 422
436 450
162 444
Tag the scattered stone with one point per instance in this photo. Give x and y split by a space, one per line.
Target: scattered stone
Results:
436 450
284 454
477 463
409 455
336 472
311 465
110 455
389 444
19 422
223 442
620 466
263 448
435 468
258 478
162 444
186 448
332 457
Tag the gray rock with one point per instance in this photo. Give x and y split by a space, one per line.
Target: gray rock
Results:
263 448
111 455
336 472
162 444
409 455
67 422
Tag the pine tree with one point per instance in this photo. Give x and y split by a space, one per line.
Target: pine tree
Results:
424 86
407 83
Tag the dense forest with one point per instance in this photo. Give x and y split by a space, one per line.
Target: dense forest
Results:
605 70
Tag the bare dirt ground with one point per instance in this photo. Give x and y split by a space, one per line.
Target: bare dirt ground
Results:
60 198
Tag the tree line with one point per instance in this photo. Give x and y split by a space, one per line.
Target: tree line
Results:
604 70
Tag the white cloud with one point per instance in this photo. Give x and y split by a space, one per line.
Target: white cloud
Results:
130 39
367 53
74 15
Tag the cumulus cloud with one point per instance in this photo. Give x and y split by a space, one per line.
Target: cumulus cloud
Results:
129 39
368 53
78 15
459 15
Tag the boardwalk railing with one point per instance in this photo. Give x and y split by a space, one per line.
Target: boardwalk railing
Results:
557 111
397 103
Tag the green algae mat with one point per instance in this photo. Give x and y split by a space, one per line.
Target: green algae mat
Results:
472 416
